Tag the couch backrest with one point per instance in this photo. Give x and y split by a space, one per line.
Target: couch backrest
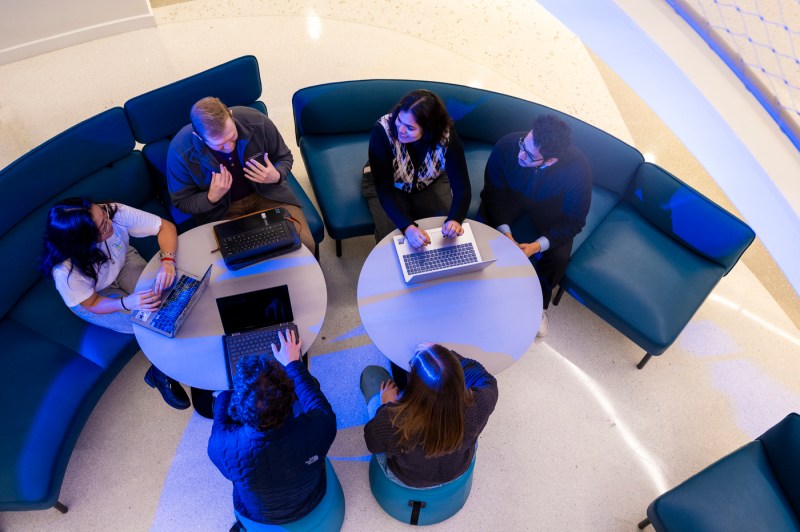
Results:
687 216
782 446
479 115
94 158
162 112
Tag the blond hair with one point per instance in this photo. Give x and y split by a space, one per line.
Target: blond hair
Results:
209 117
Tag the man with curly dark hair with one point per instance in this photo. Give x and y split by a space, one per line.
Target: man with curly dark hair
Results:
270 437
540 184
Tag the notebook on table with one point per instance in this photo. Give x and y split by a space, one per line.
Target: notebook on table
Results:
256 237
251 322
176 304
443 257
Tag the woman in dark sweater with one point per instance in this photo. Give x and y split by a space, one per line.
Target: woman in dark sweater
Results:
427 434
416 169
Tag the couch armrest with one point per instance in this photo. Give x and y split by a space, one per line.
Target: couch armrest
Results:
687 216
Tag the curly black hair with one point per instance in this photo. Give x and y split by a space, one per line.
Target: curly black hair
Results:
262 393
551 135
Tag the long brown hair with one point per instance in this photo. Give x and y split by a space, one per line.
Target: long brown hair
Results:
430 411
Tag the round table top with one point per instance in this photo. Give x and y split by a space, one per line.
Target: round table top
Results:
491 315
195 356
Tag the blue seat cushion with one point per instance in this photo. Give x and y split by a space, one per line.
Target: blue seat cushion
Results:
441 502
43 311
335 167
477 153
737 493
640 280
45 386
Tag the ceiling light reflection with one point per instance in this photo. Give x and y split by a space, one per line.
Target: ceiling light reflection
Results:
647 460
314 26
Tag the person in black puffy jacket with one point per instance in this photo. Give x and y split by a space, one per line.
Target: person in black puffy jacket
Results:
269 445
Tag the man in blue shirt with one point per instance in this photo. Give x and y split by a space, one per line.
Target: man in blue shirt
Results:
540 184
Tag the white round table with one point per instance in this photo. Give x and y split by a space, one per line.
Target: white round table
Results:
491 315
196 355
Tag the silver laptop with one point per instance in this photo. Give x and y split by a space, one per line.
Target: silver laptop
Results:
443 257
176 304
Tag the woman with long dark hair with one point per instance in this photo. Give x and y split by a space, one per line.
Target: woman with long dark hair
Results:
425 435
416 169
86 252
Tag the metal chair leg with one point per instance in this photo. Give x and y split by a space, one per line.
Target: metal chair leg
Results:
338 248
644 361
558 296
60 507
644 523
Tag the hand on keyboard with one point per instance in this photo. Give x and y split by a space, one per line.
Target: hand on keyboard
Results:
417 237
290 347
452 229
144 300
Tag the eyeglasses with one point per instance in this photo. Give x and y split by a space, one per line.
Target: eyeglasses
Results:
531 158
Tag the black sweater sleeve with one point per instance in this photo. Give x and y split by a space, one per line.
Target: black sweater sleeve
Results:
456 167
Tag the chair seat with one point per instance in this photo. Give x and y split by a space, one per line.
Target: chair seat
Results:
440 503
739 493
328 516
335 167
640 280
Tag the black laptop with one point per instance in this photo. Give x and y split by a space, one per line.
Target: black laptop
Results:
252 321
256 237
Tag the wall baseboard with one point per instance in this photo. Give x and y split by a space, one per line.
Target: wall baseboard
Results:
78 36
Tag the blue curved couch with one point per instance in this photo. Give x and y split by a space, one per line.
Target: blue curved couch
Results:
54 367
652 248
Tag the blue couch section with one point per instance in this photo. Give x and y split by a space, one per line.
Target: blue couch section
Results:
54 365
158 115
651 250
756 487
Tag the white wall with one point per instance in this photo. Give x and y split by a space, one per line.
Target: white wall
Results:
32 27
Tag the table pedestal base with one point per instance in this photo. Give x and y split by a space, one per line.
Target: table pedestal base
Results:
203 402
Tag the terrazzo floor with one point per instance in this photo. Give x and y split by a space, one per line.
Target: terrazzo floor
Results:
580 439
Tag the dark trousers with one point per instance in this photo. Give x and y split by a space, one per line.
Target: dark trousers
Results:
434 200
550 268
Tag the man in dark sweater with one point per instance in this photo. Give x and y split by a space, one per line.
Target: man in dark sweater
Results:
274 458
231 162
540 184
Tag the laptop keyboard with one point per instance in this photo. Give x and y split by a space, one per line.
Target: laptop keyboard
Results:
167 315
439 259
242 243
254 343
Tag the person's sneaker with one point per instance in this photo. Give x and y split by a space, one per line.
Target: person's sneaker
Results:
172 392
544 326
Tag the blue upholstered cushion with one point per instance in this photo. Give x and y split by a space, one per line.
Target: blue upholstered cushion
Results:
160 113
640 280
477 153
44 386
737 493
43 311
335 167
603 201
782 446
689 217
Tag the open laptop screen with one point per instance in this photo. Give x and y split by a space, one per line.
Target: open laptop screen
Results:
255 310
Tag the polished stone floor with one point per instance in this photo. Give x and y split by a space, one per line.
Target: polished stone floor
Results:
580 439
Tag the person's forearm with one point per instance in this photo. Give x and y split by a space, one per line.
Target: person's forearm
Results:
98 304
167 237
